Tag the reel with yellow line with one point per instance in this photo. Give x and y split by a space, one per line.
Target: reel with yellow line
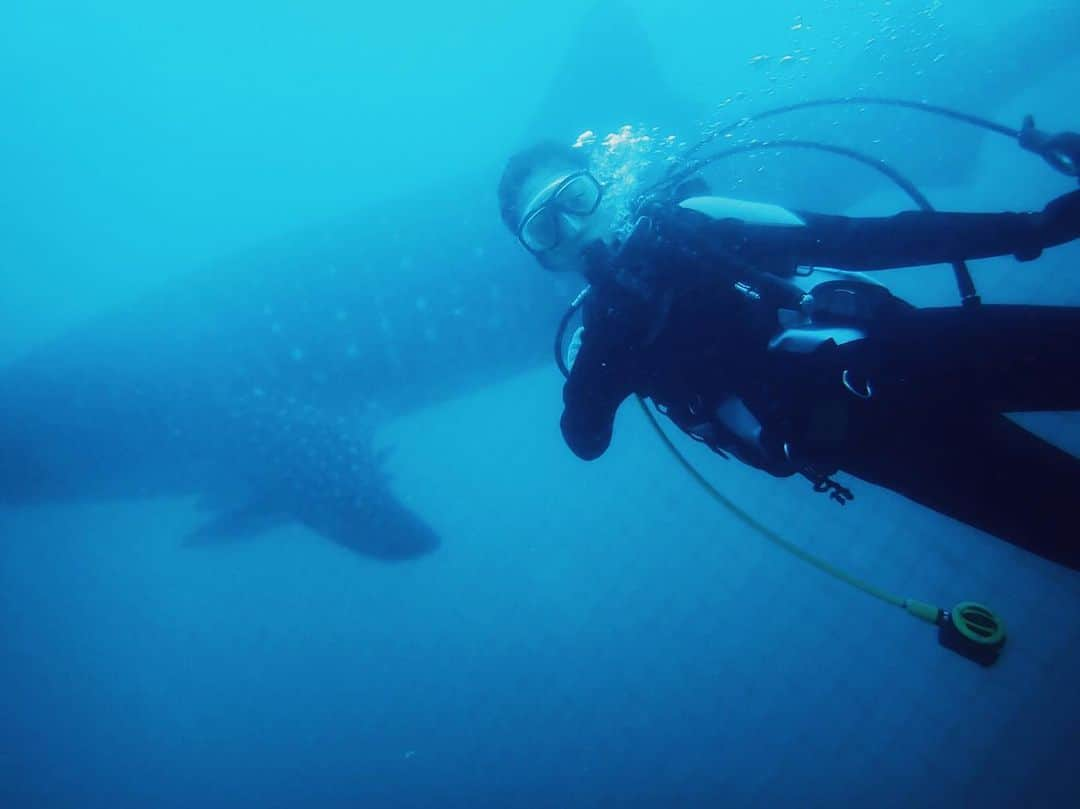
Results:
970 629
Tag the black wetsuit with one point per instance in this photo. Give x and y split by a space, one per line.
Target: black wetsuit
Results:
685 311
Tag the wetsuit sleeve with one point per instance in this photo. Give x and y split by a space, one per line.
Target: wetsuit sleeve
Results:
907 239
912 238
600 380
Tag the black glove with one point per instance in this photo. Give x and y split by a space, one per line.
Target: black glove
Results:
1060 220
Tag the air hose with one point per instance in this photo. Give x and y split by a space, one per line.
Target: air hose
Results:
859 101
969 629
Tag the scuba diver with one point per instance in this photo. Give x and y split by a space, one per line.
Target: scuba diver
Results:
722 313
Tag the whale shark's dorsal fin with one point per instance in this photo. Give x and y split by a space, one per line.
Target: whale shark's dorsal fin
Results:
587 92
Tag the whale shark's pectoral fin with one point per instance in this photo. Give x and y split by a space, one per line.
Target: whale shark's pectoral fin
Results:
245 522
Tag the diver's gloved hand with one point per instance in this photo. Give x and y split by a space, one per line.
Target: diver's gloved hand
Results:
1060 220
1060 150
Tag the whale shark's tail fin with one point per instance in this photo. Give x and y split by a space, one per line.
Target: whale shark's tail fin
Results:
373 523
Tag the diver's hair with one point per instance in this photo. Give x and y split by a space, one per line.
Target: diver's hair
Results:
546 154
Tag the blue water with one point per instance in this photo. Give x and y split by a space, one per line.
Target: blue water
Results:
210 206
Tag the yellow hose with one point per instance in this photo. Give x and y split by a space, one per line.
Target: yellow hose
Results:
926 612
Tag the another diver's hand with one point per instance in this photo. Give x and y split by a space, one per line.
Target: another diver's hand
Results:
1060 220
1060 150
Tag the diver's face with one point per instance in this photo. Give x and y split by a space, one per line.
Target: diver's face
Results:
560 217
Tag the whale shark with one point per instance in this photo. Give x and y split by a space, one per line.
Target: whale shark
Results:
285 461
256 383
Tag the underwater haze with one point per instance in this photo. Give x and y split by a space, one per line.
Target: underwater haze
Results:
286 517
